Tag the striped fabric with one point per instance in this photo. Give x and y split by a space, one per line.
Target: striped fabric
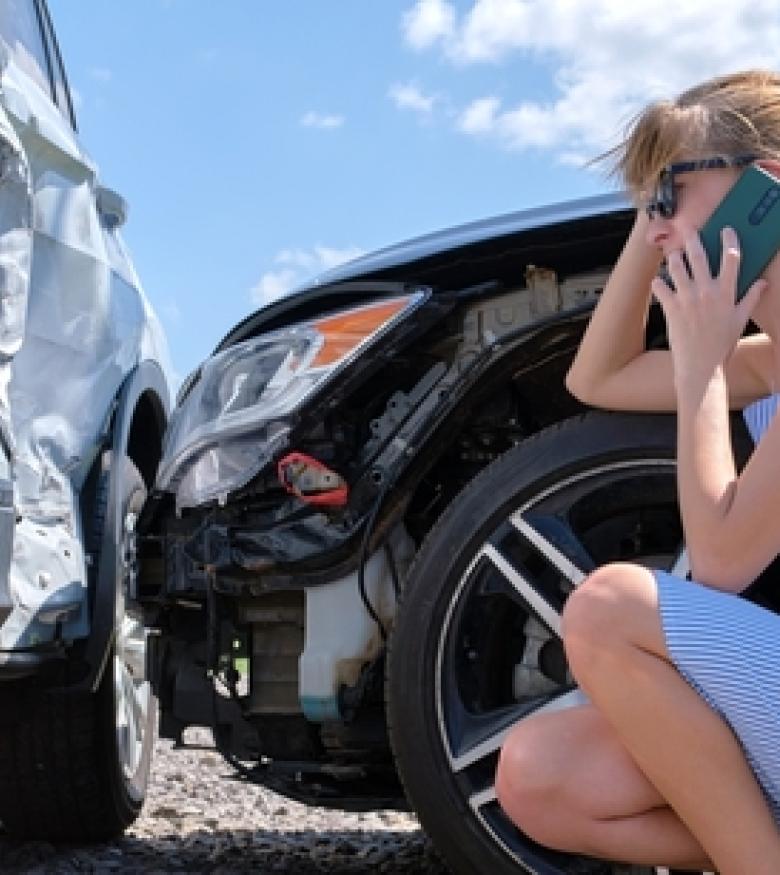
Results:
728 649
759 414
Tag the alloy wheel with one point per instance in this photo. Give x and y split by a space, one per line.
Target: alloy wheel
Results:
500 657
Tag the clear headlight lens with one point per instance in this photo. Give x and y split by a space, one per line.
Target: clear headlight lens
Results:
233 421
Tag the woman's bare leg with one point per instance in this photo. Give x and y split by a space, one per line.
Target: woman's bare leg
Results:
567 781
617 652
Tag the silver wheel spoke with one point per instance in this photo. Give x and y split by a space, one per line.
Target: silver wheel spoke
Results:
130 722
484 797
562 563
130 748
131 692
119 694
133 702
538 604
134 647
492 743
481 750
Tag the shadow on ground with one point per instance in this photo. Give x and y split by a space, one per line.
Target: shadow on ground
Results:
225 850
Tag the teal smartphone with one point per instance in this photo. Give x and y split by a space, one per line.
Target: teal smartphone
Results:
751 208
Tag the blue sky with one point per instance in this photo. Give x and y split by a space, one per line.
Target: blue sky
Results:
260 142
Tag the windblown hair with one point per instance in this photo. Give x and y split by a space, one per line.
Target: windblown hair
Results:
731 115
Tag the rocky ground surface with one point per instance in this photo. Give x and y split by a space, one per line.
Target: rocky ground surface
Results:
198 818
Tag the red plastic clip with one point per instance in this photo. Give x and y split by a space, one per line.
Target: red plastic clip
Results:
312 481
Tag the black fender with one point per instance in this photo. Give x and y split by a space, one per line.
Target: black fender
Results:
524 359
145 387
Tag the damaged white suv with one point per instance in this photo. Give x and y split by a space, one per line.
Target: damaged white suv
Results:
83 407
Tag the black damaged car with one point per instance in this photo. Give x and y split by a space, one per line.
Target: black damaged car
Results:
374 499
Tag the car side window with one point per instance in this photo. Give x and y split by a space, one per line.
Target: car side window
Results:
61 90
20 28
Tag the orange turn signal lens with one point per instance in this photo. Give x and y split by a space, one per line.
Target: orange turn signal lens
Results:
343 332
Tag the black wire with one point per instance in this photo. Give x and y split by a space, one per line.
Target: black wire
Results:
393 570
363 555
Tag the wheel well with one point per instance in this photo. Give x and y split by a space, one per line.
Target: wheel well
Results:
144 449
144 441
523 393
506 409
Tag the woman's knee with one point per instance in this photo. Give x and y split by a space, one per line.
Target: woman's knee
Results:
592 607
598 616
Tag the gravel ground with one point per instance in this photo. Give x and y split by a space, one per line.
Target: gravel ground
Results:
198 818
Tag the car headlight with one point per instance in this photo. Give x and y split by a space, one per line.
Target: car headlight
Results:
234 420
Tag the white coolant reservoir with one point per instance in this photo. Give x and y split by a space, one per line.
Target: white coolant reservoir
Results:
341 636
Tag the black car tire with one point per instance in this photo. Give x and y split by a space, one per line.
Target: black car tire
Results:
596 488
64 770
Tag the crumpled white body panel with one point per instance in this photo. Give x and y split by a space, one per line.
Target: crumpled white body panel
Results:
73 324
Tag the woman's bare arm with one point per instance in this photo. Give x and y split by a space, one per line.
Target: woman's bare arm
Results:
615 337
613 370
729 520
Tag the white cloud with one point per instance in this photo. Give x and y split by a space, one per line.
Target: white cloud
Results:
274 284
428 22
318 258
101 74
321 120
294 266
409 96
608 57
479 117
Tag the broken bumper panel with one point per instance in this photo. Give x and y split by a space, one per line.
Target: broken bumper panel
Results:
35 615
42 604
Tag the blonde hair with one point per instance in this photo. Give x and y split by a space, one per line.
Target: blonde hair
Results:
731 115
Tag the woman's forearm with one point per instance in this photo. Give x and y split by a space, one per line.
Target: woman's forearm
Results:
706 477
616 332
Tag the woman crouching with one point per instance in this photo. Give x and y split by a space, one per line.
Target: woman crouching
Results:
675 759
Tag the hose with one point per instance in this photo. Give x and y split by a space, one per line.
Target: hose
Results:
363 558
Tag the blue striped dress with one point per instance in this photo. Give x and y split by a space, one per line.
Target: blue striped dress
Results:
728 649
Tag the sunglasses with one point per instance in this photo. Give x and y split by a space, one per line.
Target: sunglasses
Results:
664 200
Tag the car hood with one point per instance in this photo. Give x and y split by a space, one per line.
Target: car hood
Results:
413 259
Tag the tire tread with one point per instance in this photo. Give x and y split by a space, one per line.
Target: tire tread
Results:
57 779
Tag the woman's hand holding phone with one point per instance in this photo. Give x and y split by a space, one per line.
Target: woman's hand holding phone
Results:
703 320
